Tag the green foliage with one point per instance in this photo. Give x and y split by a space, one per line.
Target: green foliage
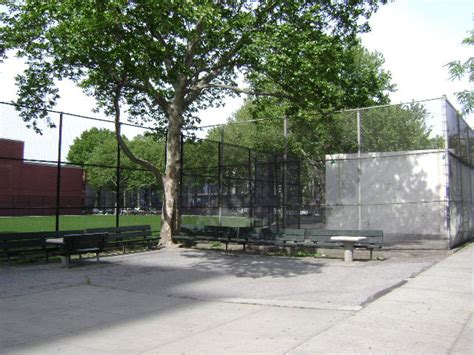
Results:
165 60
96 150
184 53
459 70
83 146
397 128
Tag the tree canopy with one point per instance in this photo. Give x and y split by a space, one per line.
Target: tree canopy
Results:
458 69
96 150
164 60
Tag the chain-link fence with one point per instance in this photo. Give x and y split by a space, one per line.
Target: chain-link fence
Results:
71 174
238 186
407 169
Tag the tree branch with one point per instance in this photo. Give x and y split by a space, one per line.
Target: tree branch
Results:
144 163
191 47
242 91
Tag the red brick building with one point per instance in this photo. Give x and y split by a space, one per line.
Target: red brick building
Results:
29 188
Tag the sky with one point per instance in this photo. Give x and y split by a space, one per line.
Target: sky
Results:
416 37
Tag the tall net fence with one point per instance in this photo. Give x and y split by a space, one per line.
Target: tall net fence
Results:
405 169
72 174
235 185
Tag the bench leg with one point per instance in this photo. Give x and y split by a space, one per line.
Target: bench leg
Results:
123 248
97 256
371 253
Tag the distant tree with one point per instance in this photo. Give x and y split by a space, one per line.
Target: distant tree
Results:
396 128
459 70
149 148
101 165
83 146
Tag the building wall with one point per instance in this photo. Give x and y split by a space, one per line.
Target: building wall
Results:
30 188
402 193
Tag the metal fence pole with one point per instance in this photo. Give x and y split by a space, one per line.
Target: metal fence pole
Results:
117 187
300 195
221 177
359 168
181 167
58 174
285 158
250 189
447 206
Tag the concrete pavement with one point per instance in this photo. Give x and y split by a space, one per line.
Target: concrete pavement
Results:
195 301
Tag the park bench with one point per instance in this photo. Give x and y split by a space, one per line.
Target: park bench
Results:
127 236
290 236
78 244
286 237
190 235
321 238
34 243
29 244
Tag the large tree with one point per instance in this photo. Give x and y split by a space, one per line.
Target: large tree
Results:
164 60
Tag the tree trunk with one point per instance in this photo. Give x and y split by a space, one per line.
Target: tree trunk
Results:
170 220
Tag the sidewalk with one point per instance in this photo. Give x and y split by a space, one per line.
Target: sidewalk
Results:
430 314
192 301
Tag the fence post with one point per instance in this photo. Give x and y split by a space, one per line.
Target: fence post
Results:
359 168
58 174
300 195
250 190
117 187
221 177
181 167
285 158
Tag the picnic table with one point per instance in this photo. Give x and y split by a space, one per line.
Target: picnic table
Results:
348 243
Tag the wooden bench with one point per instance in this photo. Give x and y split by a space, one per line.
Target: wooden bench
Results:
34 243
290 236
29 244
190 235
321 238
78 244
128 235
287 237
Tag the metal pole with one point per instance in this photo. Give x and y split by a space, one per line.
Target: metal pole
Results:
250 189
359 172
221 175
300 195
58 174
181 166
117 187
447 206
285 158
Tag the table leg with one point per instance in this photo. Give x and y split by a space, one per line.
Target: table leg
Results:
348 251
65 261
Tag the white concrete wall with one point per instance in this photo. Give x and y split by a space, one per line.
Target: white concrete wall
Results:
402 193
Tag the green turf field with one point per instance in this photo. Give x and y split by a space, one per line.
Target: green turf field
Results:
48 223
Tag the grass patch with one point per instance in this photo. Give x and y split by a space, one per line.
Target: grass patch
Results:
79 222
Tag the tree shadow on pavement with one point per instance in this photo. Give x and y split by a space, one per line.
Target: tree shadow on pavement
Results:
253 266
